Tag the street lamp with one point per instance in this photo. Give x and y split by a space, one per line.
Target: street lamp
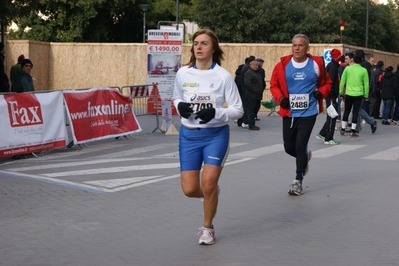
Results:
177 14
341 27
144 8
367 22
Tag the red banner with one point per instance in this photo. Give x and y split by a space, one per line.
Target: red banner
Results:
31 122
99 113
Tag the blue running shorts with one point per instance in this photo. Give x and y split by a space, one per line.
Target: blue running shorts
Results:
203 145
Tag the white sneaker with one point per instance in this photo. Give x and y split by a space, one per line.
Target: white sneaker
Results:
243 125
207 236
296 188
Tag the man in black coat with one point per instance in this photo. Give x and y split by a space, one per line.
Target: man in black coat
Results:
254 91
4 82
327 132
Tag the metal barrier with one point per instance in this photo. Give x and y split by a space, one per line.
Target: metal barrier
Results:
146 100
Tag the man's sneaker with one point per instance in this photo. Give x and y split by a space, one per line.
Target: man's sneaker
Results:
395 122
296 188
374 127
354 135
307 166
319 136
385 122
207 236
332 142
342 131
243 125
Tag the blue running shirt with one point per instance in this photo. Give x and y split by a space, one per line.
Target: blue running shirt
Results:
302 82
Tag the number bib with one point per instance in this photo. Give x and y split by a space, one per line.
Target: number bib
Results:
299 101
201 101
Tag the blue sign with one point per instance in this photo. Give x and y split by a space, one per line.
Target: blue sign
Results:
327 56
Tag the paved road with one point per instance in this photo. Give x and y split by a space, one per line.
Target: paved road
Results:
119 202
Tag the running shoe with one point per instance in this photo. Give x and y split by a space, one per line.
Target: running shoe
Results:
246 126
374 127
319 136
207 236
307 166
296 188
332 142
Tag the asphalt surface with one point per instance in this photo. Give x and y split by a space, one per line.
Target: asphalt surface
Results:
119 202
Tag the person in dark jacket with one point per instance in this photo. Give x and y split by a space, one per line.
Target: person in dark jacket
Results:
243 121
23 81
262 74
327 131
240 85
389 88
395 118
254 91
375 101
4 82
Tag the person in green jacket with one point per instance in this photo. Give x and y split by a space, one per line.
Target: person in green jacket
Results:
16 67
22 80
354 87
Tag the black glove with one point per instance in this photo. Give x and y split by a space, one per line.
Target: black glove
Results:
185 109
206 115
317 95
285 103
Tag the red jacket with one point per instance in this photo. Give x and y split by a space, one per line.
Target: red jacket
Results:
278 84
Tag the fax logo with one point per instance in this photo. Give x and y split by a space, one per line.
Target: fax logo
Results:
24 110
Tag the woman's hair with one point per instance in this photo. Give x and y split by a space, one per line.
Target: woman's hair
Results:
389 69
217 51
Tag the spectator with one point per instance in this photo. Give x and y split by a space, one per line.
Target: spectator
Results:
389 88
243 121
4 82
327 132
240 85
375 101
262 74
23 81
16 67
395 117
254 90
298 84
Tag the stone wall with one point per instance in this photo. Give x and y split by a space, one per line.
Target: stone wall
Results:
60 66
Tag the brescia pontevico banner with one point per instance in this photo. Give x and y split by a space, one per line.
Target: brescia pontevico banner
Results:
31 122
99 113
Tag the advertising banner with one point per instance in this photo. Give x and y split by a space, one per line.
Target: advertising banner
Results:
164 59
31 122
99 113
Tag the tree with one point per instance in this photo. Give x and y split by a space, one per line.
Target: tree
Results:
234 21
